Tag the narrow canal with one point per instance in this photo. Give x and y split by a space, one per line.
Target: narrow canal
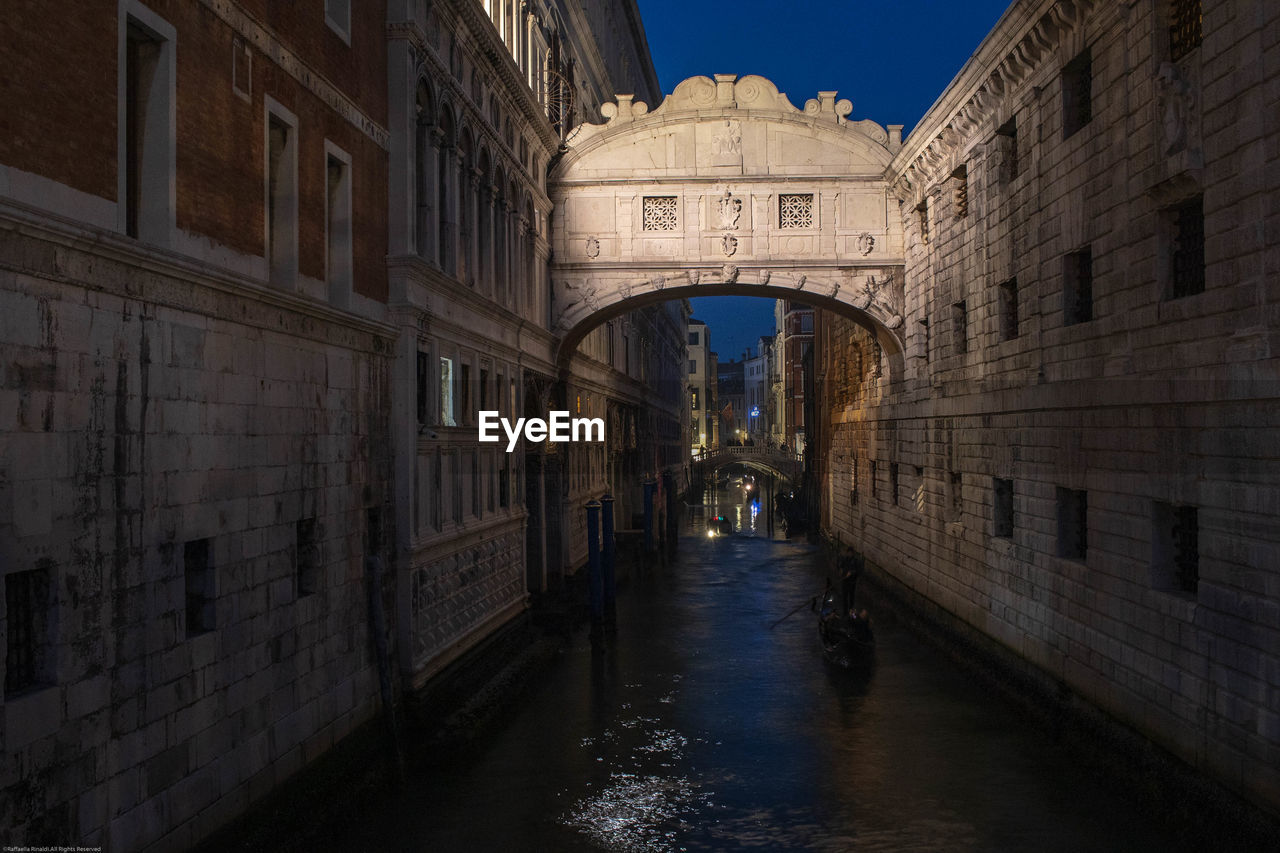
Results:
703 728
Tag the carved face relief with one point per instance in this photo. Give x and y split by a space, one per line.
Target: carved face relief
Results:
729 273
764 276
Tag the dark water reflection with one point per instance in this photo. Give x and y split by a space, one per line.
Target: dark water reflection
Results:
704 729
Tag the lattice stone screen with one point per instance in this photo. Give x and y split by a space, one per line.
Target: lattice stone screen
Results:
660 213
795 210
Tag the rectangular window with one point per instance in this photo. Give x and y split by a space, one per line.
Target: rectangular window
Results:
956 484
924 340
1073 523
28 640
893 483
960 327
241 68
306 556
337 232
1184 224
282 199
795 210
660 213
446 393
1175 547
504 481
473 463
423 383
197 571
147 121
922 217
1077 93
693 366
484 390
1008 308
1185 27
1077 287
875 489
464 387
1007 138
1002 509
337 14
693 339
455 466
960 188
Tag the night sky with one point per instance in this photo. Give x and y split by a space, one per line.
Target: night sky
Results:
891 59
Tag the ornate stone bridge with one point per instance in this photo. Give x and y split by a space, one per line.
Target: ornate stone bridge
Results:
727 188
779 461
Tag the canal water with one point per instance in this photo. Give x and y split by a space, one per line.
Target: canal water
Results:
702 727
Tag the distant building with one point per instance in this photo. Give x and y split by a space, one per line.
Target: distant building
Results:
732 400
702 387
795 337
755 371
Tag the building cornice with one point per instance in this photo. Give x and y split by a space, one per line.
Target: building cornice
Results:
1022 41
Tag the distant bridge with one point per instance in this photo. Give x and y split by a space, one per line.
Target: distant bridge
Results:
780 461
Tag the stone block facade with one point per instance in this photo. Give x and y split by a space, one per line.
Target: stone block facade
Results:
1075 455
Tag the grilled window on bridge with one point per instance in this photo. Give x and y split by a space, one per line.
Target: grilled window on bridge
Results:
1185 27
795 210
28 651
660 213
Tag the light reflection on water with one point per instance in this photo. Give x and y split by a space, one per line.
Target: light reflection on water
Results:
701 728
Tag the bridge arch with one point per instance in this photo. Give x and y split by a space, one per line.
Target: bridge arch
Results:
726 188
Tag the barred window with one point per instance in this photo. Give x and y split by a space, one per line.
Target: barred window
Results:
28 650
660 213
1008 139
1077 287
1009 309
795 210
1175 547
1073 523
1186 223
1185 27
1003 509
1077 93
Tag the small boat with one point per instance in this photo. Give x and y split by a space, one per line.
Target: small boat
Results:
847 639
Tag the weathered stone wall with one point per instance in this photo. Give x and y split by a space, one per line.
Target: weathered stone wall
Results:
147 405
1154 403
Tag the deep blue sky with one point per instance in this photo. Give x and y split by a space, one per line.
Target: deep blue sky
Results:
891 59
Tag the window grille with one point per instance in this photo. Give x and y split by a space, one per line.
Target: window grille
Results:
960 326
1008 134
1009 309
1003 509
1185 27
306 556
795 210
1188 248
27 649
198 575
1073 527
1077 287
660 213
1077 94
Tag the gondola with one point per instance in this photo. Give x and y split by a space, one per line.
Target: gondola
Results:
847 639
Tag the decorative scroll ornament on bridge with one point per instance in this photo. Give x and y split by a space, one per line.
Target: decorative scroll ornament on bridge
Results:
727 188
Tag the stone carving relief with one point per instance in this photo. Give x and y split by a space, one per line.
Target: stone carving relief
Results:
728 210
764 276
729 245
695 276
658 282
727 142
800 280
593 247
729 273
1175 101
866 243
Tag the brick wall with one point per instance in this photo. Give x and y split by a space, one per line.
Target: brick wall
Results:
1152 404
